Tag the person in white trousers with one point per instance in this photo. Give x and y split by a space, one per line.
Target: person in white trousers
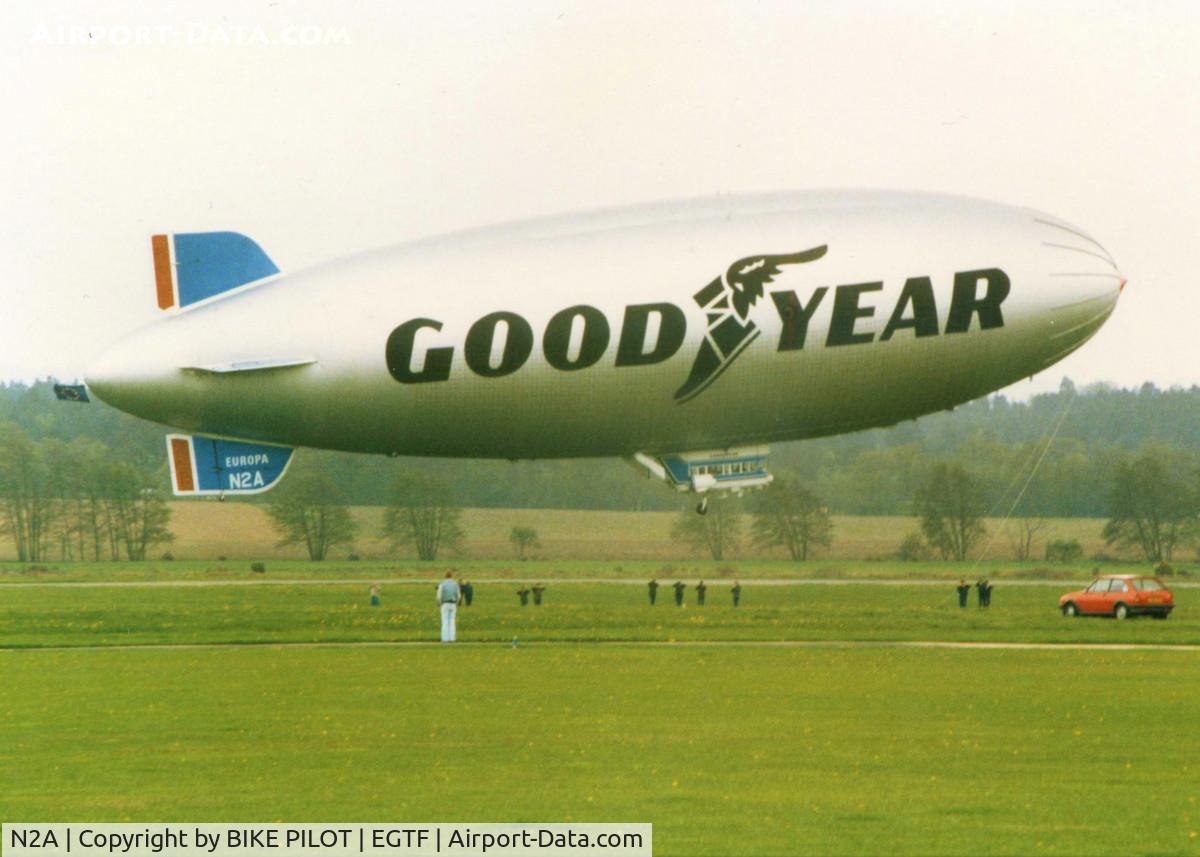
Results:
448 594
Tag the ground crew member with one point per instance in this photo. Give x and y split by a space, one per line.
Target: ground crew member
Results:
448 594
737 593
963 589
700 590
523 594
678 586
538 589
987 593
468 593
980 585
653 587
375 590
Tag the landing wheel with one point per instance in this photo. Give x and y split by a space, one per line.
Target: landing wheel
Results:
702 508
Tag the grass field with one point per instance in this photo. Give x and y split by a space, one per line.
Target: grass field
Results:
207 530
725 751
751 748
47 616
228 571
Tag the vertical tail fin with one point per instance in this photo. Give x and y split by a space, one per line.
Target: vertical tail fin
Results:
190 267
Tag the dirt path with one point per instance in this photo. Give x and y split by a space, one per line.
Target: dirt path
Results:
433 581
744 644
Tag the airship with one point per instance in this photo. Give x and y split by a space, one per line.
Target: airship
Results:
684 337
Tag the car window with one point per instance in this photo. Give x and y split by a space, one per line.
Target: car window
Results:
1098 586
1118 586
1148 584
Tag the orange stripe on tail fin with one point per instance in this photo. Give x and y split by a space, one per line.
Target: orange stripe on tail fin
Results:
163 279
181 464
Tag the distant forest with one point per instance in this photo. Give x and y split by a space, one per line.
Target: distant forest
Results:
871 473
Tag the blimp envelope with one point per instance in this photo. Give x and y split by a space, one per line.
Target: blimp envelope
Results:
209 465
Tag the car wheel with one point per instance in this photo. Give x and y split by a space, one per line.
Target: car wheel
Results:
1120 611
1070 610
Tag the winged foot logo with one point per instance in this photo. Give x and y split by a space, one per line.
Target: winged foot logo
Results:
726 302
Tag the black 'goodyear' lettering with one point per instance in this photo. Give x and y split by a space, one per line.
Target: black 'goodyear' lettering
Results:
556 342
518 343
915 309
966 301
399 353
795 317
632 350
917 293
846 311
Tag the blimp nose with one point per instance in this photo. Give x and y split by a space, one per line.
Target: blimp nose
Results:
1084 284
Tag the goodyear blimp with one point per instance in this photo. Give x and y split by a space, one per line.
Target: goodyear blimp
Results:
684 337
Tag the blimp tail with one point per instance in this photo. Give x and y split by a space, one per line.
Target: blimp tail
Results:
196 267
211 466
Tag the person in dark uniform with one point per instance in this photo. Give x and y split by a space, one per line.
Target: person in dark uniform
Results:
523 594
737 593
963 589
700 590
538 589
468 593
652 587
987 593
678 586
980 585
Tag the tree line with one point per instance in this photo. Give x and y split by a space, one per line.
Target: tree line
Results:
1152 503
309 509
1151 500
77 500
867 473
84 500
88 482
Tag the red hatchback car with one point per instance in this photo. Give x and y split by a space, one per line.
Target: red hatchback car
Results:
1120 596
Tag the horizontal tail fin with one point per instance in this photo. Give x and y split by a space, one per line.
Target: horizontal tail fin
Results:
203 466
71 393
190 267
260 365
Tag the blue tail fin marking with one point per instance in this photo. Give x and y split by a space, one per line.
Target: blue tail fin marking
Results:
196 266
207 465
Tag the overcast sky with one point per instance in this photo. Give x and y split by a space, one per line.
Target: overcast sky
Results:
411 119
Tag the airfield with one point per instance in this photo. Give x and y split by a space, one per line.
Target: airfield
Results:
844 708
